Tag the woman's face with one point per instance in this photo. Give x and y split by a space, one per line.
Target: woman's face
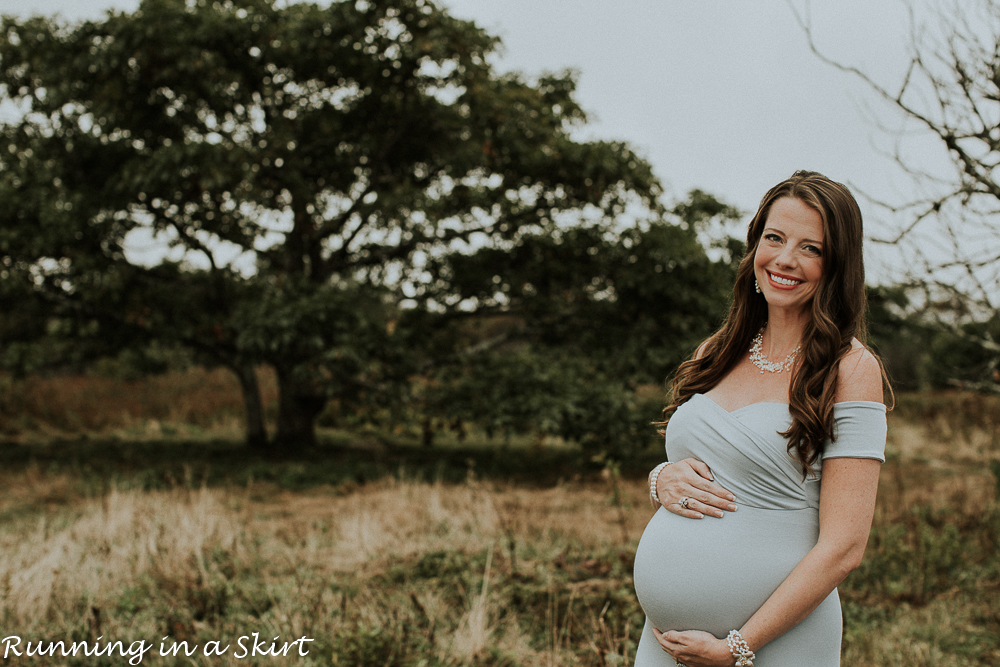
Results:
788 263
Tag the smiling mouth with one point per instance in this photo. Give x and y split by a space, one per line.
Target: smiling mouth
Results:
785 282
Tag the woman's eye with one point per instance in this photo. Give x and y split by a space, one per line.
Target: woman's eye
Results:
813 250
773 237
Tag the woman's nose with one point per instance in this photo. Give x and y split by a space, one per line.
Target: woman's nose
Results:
786 257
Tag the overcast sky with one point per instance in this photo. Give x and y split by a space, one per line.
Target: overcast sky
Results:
722 95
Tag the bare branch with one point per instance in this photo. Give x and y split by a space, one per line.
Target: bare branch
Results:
950 88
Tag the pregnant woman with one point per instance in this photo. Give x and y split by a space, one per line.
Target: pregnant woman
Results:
775 433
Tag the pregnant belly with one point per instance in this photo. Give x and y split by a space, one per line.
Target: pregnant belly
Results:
713 574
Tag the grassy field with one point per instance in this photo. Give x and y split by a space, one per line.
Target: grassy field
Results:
384 553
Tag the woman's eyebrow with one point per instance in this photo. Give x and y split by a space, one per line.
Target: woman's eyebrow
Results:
775 229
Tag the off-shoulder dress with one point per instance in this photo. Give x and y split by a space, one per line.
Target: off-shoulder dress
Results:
713 574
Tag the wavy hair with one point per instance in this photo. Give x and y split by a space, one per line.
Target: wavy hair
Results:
838 316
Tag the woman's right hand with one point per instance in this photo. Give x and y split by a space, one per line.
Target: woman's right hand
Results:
692 479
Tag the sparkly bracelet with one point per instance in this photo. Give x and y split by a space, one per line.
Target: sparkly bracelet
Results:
652 480
740 649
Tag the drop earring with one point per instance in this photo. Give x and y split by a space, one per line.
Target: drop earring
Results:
756 285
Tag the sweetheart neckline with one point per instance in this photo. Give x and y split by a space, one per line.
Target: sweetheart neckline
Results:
784 405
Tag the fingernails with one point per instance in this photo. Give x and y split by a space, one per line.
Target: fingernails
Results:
718 514
731 497
731 508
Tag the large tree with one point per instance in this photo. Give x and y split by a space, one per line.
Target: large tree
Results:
302 165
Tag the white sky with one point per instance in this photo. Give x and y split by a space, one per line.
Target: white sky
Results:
723 95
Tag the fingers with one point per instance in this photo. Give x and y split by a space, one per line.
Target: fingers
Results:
696 509
709 503
701 468
664 640
707 481
673 638
687 490
688 507
712 490
669 642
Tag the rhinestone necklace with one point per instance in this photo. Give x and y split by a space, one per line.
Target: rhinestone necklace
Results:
758 359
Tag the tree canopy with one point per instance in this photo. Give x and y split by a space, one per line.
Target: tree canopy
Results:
302 170
584 325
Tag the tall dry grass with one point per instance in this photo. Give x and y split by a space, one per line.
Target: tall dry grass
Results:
218 564
112 543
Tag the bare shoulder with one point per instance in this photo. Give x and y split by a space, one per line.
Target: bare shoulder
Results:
860 376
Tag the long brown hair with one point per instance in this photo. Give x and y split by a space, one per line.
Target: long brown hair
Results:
838 316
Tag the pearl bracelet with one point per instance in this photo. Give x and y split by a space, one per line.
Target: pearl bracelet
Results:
740 649
652 480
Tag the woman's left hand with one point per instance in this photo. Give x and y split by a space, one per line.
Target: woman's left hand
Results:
694 648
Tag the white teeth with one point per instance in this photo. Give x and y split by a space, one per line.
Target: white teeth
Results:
783 281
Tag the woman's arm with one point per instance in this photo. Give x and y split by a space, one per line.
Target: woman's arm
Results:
847 506
846 509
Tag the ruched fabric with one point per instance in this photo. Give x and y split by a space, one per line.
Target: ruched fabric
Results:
713 574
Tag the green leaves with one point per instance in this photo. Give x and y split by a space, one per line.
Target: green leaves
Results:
304 166
635 301
565 325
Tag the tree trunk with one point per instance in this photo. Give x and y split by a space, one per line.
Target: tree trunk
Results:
298 406
427 432
256 433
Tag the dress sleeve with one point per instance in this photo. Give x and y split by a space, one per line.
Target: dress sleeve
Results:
860 431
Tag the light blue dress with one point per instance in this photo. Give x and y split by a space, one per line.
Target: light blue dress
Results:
713 574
